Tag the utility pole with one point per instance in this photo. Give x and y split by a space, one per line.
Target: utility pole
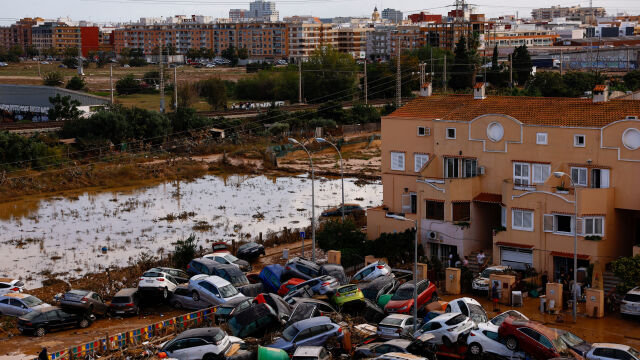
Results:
80 70
398 77
300 80
423 75
444 75
366 86
175 88
111 82
161 81
511 70
431 61
561 62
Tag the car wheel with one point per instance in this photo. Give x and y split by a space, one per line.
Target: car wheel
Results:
446 341
83 323
165 294
475 349
512 343
195 296
40 332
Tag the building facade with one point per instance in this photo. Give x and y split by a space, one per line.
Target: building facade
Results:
86 38
393 15
476 172
584 14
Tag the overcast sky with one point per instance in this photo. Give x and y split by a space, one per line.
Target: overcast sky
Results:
127 10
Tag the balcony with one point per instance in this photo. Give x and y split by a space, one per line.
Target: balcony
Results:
450 189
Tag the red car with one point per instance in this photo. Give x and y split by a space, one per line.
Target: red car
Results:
402 301
287 286
535 339
220 247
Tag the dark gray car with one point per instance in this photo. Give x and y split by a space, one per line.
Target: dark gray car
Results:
84 301
182 299
300 268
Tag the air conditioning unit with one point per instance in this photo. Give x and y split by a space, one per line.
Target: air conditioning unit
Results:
432 235
481 170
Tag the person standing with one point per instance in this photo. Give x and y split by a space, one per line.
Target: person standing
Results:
545 280
495 296
480 257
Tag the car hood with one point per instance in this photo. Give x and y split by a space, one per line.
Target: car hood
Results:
395 304
280 343
481 280
582 349
241 263
41 306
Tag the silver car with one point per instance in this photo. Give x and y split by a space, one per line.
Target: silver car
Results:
182 299
395 326
212 289
17 304
372 271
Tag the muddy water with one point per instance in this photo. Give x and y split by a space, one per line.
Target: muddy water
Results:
66 235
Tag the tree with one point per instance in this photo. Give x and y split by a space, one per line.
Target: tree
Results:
187 119
546 83
52 78
346 237
70 62
496 76
63 108
231 54
522 64
278 128
462 70
332 110
627 269
632 80
70 52
192 53
329 75
184 252
18 151
243 53
215 92
187 94
128 85
152 77
362 114
76 83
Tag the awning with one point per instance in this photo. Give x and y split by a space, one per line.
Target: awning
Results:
514 245
489 198
569 255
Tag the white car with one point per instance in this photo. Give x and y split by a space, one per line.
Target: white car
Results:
395 326
630 304
605 351
10 285
468 307
158 281
481 282
485 339
498 319
227 258
447 329
372 271
201 343
212 289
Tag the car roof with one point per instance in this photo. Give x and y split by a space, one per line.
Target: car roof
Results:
445 316
126 292
611 346
308 351
403 356
399 316
403 343
216 280
234 302
634 291
15 295
303 261
7 280
211 331
551 333
318 320
498 267
467 300
164 269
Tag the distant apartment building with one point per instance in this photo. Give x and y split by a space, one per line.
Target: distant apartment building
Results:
584 14
42 35
262 40
260 10
477 173
237 15
521 35
306 37
422 17
353 40
393 15
86 38
18 34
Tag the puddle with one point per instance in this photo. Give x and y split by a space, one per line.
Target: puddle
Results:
67 235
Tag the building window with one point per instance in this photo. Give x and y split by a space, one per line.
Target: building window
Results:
579 176
522 220
563 224
503 216
409 203
541 138
419 161
540 173
600 178
461 211
594 225
451 167
578 140
451 133
521 174
423 131
469 168
435 210
397 161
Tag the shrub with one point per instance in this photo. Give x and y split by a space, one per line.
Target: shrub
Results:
76 83
627 269
128 85
52 78
184 252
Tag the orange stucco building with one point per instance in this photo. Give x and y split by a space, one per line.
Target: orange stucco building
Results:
477 173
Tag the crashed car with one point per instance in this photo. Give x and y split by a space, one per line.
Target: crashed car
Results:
279 306
481 282
315 331
374 349
335 270
201 343
255 321
270 277
250 251
182 298
382 285
225 311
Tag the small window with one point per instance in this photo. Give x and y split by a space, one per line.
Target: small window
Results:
423 131
563 224
521 174
541 138
594 226
397 161
419 161
451 133
461 211
578 140
579 176
540 173
522 220
434 210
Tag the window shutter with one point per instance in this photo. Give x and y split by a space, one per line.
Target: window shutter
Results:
579 226
548 223
604 178
406 203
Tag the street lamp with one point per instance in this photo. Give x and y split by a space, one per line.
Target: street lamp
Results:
415 270
560 174
313 205
321 140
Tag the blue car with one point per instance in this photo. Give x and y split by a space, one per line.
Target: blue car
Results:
270 277
310 332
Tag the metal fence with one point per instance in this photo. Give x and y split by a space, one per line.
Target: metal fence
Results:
360 128
134 338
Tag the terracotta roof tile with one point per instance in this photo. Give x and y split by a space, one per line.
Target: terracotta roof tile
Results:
529 110
478 85
600 88
488 198
516 245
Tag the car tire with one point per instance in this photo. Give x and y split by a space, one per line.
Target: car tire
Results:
40 332
511 343
475 349
195 296
165 294
84 323
90 310
446 342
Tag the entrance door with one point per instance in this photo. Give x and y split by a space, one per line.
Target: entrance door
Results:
564 265
442 251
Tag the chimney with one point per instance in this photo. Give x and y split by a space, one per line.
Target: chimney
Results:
426 89
479 91
601 93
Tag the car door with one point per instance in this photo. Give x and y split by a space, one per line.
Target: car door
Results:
319 334
196 348
6 308
177 349
99 305
54 319
17 307
422 294
302 338
221 260
493 344
530 342
600 354
408 326
546 346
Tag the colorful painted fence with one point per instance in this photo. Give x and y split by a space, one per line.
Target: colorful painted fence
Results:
135 337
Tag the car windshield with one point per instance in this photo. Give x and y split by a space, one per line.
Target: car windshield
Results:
218 335
152 274
346 289
32 301
634 352
224 310
230 258
391 321
289 333
632 298
19 283
239 280
456 320
477 313
403 293
228 291
570 339
487 272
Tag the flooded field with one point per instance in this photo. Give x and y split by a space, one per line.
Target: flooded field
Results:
66 235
